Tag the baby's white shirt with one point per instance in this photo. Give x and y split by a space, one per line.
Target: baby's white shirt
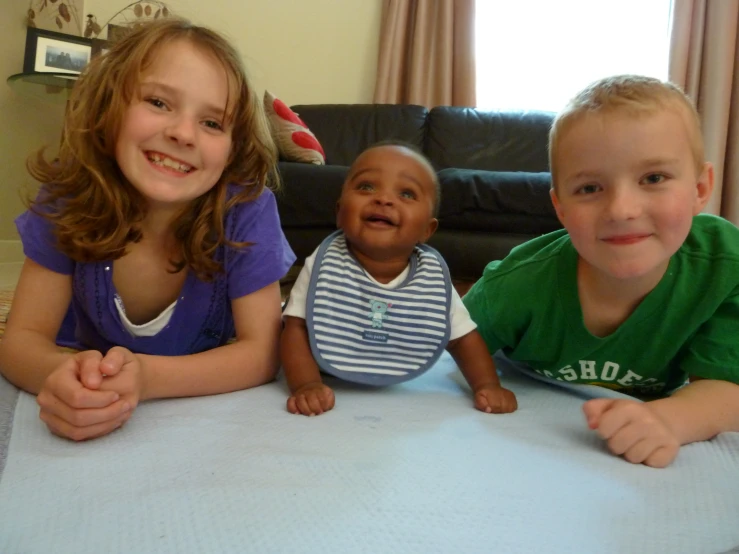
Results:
461 322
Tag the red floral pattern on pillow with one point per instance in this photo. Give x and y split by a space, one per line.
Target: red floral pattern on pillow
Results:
294 140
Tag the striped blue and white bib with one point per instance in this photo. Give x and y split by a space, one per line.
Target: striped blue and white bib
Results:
367 334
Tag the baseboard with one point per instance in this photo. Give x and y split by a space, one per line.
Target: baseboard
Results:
11 251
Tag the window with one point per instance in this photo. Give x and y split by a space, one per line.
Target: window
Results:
536 54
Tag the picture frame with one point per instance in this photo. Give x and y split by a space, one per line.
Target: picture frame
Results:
99 47
52 52
117 32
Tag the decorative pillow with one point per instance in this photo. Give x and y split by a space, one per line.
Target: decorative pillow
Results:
294 140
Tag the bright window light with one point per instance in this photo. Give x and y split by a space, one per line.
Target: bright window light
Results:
536 54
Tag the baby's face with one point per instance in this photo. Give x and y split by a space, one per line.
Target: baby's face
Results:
387 203
627 191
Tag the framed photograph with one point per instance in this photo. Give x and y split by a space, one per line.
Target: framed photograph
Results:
99 47
117 32
52 52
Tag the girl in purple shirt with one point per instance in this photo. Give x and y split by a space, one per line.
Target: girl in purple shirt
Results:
141 251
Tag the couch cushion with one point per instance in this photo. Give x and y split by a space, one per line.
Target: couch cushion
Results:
494 141
309 194
345 130
294 139
501 201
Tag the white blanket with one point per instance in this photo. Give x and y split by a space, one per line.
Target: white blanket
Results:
409 469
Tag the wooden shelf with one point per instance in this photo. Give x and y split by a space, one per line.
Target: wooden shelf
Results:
48 87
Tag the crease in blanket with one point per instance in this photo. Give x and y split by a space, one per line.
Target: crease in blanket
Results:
8 399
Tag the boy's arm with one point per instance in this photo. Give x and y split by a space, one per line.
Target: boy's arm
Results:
652 432
476 364
700 410
250 361
709 405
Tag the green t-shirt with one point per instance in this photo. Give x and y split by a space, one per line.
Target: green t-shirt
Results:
688 325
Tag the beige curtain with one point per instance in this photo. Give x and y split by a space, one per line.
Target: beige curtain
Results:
704 60
427 53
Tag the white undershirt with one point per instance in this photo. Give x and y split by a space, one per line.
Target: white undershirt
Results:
461 322
145 329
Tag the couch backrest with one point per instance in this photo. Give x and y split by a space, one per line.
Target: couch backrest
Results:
495 141
345 130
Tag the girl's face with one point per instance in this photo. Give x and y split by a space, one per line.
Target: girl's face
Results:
174 143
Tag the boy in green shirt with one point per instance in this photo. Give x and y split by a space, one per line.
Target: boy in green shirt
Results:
639 292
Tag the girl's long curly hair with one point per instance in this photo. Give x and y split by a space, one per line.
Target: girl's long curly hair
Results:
95 211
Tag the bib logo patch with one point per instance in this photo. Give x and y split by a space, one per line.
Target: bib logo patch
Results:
378 314
374 336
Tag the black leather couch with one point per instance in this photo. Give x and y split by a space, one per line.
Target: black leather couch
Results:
492 166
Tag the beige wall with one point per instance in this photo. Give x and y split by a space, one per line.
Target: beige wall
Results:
26 123
304 52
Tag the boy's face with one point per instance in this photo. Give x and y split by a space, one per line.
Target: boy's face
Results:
627 189
387 203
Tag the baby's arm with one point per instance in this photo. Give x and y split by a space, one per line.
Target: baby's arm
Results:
652 432
477 366
65 383
308 395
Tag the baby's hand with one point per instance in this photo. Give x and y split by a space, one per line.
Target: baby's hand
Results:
72 403
311 399
632 430
494 399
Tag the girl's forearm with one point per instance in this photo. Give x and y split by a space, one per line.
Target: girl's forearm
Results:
700 410
28 357
241 365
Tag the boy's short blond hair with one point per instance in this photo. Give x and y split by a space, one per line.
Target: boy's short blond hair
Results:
631 95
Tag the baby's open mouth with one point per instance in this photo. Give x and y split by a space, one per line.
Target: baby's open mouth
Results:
164 161
377 218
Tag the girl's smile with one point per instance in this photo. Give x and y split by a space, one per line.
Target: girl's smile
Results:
160 160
